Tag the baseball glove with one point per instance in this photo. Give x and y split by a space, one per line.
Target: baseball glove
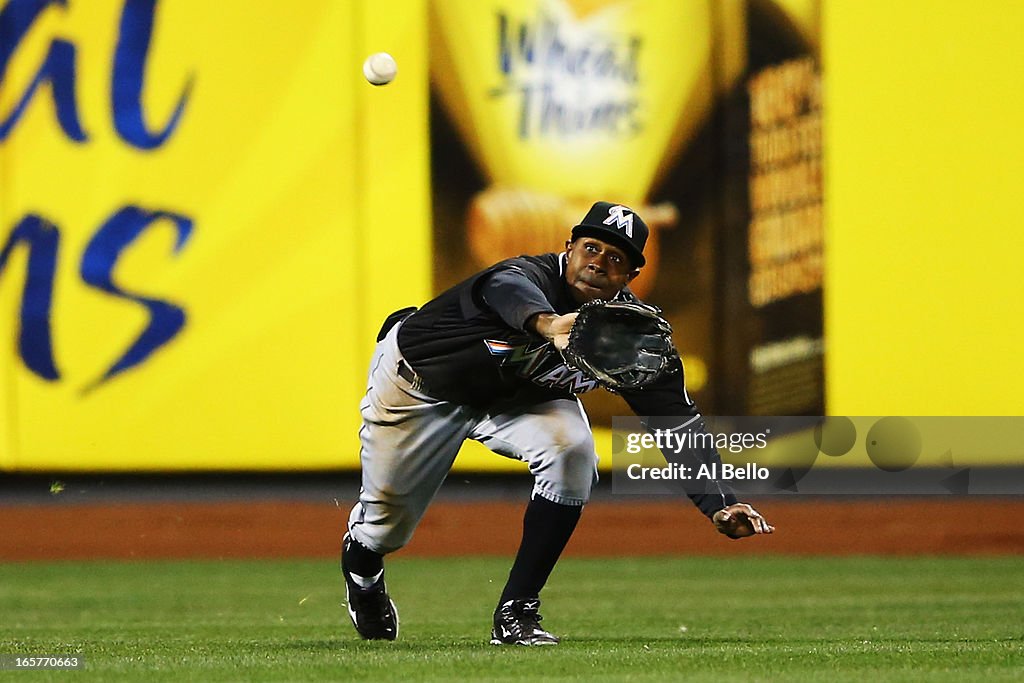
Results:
623 345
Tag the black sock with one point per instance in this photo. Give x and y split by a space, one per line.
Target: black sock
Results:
547 527
360 560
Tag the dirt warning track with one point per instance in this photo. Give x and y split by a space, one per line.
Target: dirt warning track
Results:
273 529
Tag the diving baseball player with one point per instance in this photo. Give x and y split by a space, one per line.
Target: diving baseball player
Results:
481 361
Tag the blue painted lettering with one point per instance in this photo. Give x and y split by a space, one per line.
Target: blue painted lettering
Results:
58 68
101 254
35 341
129 71
42 238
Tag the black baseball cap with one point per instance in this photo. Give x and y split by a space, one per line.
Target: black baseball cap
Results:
618 225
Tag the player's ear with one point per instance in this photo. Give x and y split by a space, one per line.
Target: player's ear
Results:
631 276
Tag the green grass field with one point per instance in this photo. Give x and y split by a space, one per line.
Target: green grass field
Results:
638 619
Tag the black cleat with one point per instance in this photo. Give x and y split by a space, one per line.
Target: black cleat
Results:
372 611
517 622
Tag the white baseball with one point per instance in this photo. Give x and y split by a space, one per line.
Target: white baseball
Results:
380 68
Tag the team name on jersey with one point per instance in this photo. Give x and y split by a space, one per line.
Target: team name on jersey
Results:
539 363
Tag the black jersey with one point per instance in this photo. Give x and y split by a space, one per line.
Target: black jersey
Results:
470 345
467 352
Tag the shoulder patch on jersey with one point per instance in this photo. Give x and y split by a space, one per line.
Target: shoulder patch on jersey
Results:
497 347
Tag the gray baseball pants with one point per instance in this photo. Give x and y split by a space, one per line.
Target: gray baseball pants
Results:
409 441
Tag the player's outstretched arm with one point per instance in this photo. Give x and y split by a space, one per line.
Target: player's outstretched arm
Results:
740 520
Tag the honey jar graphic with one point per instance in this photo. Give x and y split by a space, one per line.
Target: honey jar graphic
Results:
560 104
541 107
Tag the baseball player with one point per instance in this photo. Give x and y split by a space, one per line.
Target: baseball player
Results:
481 361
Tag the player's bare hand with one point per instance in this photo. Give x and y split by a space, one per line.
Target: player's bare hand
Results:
741 520
555 328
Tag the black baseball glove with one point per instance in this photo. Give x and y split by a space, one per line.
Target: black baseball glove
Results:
623 345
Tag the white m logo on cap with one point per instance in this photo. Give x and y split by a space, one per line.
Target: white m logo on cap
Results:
620 219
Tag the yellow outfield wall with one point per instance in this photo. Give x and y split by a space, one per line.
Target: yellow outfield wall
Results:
924 159
232 212
205 213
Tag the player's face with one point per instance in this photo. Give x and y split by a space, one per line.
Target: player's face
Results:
596 269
